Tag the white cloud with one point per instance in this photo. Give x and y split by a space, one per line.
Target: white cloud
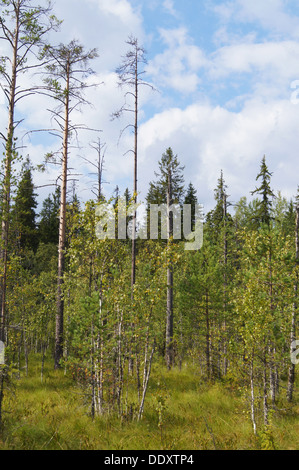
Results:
177 67
104 24
271 15
168 5
208 139
274 58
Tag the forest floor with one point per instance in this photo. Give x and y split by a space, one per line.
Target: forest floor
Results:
182 412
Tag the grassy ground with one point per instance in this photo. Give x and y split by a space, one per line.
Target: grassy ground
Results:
194 415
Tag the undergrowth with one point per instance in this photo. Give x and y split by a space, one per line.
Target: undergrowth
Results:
182 412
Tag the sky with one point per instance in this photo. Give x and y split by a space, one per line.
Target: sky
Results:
226 79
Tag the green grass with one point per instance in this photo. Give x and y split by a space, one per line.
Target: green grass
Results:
196 416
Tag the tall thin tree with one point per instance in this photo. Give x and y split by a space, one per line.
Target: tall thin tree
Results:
168 189
65 82
130 74
23 27
292 368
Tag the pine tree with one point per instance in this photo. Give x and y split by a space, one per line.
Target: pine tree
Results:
67 71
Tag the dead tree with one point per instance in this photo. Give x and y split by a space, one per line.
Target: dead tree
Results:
130 75
66 71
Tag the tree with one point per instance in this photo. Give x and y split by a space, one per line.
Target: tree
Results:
169 189
168 164
262 301
263 215
219 216
292 369
48 226
23 212
66 70
130 74
100 149
23 27
191 198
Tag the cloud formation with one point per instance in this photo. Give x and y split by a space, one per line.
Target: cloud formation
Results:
218 109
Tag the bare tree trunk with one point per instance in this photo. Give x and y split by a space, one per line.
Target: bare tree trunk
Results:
134 218
291 377
265 392
119 365
169 305
252 401
100 363
145 385
273 375
62 232
133 272
208 339
7 180
225 285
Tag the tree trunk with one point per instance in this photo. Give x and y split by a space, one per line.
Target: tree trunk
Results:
291 377
133 269
252 401
208 338
62 232
265 392
145 382
7 180
134 218
169 305
225 286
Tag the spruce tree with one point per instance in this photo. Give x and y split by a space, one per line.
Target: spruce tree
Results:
191 199
23 212
219 216
169 190
263 215
49 222
158 190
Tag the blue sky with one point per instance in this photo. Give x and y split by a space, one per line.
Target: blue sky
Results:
224 71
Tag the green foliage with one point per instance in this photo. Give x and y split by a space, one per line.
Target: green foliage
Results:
266 439
168 164
263 215
23 211
48 225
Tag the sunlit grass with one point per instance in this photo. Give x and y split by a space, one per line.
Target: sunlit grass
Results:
197 415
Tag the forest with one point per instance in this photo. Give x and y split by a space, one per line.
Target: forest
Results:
131 342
